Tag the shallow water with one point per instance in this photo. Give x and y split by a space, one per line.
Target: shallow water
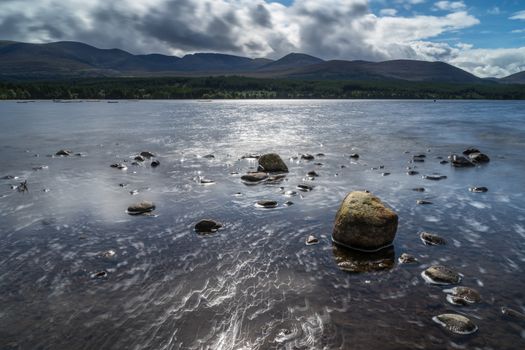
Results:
253 284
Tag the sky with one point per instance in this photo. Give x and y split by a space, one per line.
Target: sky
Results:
486 38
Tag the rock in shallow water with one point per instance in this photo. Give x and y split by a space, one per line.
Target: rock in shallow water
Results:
462 295
272 163
311 240
141 208
364 222
147 154
455 323
478 189
64 153
266 204
253 178
432 239
207 226
460 161
406 258
479 158
442 275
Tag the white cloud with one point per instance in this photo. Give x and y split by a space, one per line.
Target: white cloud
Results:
518 15
388 12
450 5
344 29
518 31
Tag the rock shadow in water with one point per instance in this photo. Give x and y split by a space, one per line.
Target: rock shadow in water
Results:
357 261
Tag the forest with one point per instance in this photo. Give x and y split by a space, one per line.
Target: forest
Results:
235 87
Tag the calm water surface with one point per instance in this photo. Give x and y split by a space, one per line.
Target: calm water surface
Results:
254 284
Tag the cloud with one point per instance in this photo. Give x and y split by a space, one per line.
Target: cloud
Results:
450 5
331 29
518 15
388 12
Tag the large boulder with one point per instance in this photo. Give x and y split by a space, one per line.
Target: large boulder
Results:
272 163
364 222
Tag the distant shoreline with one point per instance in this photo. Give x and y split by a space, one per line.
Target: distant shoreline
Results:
241 88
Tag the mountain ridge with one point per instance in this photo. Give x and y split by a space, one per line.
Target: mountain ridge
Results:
70 59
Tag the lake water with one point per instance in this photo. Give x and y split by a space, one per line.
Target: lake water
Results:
253 284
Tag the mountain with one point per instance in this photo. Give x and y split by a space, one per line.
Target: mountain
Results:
409 70
517 78
292 60
73 59
67 59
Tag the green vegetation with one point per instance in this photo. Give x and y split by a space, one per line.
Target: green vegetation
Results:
234 87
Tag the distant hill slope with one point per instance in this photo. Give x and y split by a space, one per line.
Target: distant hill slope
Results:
66 59
517 78
290 61
73 59
408 70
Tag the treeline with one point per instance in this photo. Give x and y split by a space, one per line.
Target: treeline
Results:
233 87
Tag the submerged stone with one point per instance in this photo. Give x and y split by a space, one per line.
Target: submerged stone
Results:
455 323
155 163
478 189
64 153
460 161
311 239
442 275
364 222
305 187
432 239
147 154
99 274
355 261
513 314
406 258
253 178
307 156
434 177
470 150
462 295
479 158
266 204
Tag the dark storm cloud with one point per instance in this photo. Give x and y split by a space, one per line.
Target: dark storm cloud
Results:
261 16
177 25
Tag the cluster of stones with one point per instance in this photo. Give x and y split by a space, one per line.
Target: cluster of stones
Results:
365 224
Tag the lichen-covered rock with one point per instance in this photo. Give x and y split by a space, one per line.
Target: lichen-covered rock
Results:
364 222
432 239
438 274
272 163
455 323
462 295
